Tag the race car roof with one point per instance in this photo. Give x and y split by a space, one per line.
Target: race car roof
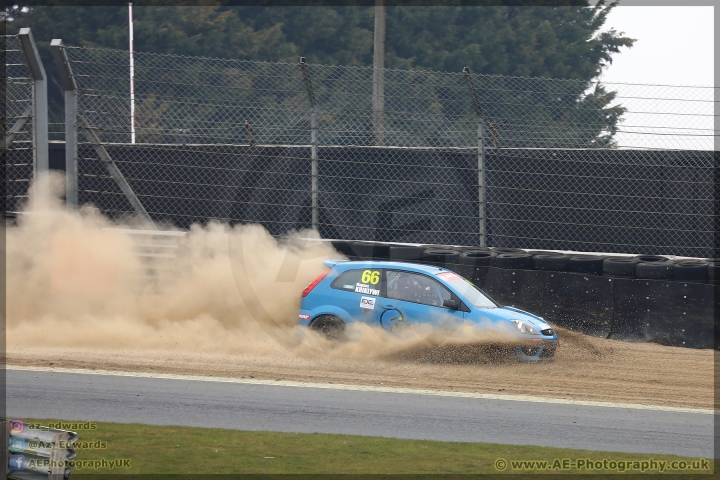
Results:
343 265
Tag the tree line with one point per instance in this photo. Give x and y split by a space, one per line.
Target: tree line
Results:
514 38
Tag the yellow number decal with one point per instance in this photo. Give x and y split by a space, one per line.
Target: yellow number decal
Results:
371 277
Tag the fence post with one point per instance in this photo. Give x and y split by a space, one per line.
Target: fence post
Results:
116 174
378 99
313 143
71 151
41 162
481 156
16 129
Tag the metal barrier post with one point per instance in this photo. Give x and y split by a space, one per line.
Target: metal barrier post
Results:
378 99
116 174
16 129
71 150
481 156
41 163
313 143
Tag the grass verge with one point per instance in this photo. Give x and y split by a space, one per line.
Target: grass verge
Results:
189 450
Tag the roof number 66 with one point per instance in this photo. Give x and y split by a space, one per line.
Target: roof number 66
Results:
371 276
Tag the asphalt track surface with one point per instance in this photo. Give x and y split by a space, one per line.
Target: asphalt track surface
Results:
257 406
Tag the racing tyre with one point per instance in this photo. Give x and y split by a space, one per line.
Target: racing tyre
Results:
500 250
406 252
468 249
542 252
331 327
370 250
655 270
344 247
713 271
620 266
443 247
534 354
651 258
554 262
588 264
517 261
441 257
472 263
695 271
477 258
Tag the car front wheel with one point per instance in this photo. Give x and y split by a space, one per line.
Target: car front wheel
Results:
538 353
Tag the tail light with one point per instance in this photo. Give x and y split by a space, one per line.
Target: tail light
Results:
313 283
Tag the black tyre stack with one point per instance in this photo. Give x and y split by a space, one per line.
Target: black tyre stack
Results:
620 267
654 267
474 263
407 253
586 264
344 247
501 250
693 271
713 271
371 250
554 262
514 260
441 257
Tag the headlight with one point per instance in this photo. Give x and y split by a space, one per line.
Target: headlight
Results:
525 327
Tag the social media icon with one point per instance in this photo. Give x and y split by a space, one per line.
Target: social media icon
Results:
17 444
16 427
17 462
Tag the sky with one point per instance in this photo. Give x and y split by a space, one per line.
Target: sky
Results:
674 47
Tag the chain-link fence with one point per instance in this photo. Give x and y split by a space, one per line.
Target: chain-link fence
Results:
448 158
17 124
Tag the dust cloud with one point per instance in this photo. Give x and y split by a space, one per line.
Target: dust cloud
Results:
75 281
80 296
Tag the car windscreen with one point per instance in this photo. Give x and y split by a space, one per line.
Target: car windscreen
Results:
467 290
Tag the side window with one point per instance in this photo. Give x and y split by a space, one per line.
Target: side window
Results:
412 287
361 281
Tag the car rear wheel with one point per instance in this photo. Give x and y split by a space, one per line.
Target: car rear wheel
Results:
329 326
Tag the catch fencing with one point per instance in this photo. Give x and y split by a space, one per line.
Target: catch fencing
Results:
424 157
24 124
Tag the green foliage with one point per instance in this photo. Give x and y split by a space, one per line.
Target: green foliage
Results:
514 40
539 41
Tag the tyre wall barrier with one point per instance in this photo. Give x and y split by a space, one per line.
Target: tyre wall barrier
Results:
669 312
666 312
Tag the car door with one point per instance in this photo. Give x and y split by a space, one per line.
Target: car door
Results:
411 298
358 293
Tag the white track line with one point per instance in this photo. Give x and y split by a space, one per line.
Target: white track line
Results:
367 388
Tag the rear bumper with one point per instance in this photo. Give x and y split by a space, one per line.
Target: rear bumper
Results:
304 317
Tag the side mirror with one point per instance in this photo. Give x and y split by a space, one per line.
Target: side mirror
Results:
451 304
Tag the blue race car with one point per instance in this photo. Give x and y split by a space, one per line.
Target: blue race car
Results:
396 295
